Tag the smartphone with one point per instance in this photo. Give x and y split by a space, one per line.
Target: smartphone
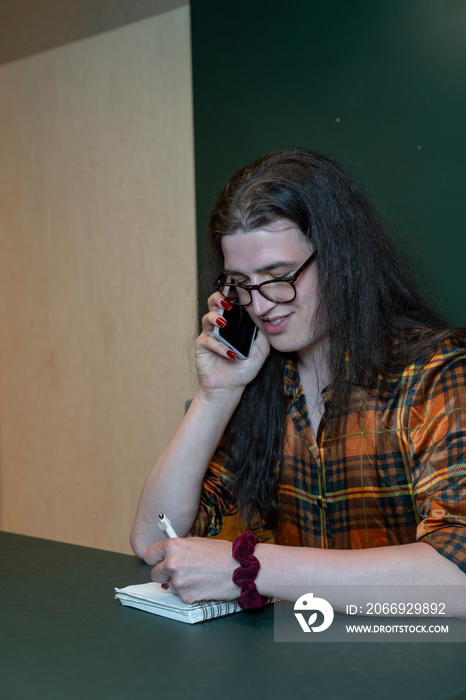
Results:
239 333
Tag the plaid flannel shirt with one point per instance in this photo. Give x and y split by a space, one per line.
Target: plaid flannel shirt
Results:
391 472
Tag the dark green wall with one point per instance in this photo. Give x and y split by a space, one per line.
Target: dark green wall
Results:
378 84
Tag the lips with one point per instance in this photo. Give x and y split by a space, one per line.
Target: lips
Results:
277 324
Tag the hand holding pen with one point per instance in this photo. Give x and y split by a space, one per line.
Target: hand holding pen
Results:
193 568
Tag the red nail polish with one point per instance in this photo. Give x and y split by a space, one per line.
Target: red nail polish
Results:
165 586
220 322
231 354
225 304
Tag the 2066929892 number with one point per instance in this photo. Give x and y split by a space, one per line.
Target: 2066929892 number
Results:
399 608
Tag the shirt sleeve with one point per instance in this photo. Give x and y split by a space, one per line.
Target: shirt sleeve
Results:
437 426
216 497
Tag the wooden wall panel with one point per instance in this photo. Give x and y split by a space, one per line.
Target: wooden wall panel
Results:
97 276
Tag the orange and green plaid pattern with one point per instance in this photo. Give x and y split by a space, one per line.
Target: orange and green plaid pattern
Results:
392 471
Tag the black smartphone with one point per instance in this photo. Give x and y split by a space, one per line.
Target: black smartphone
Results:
239 333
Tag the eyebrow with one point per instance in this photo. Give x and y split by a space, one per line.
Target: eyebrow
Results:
266 268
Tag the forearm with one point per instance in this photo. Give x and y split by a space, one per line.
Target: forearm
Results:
175 482
283 568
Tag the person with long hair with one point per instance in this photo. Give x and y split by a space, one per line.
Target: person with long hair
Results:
337 448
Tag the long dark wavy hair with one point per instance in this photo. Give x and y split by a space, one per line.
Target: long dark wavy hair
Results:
366 301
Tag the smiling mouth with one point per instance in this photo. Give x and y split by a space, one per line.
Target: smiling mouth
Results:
274 321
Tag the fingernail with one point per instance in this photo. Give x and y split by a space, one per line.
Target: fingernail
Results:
220 322
225 304
231 354
165 586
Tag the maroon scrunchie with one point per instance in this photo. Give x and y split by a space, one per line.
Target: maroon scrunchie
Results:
244 575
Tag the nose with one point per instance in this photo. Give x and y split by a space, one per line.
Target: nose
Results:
260 304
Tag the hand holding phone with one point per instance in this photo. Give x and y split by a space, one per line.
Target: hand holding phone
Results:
239 333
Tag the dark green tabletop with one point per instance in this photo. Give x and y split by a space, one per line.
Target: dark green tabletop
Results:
63 635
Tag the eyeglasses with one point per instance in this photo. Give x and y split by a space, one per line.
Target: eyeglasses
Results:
281 291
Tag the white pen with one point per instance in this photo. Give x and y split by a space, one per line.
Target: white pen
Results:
166 527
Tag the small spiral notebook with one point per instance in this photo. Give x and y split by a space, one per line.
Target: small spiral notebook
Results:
152 598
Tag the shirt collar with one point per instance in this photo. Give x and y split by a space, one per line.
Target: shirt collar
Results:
292 384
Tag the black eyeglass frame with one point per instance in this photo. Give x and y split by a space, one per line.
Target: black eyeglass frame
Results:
220 282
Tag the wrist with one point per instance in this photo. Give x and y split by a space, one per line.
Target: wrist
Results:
220 398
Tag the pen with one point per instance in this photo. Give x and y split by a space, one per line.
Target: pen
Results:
165 526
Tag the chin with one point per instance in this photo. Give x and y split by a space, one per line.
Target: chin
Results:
283 345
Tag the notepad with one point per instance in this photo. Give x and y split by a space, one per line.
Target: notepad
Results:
152 598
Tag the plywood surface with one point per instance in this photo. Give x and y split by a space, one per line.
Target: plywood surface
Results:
97 276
